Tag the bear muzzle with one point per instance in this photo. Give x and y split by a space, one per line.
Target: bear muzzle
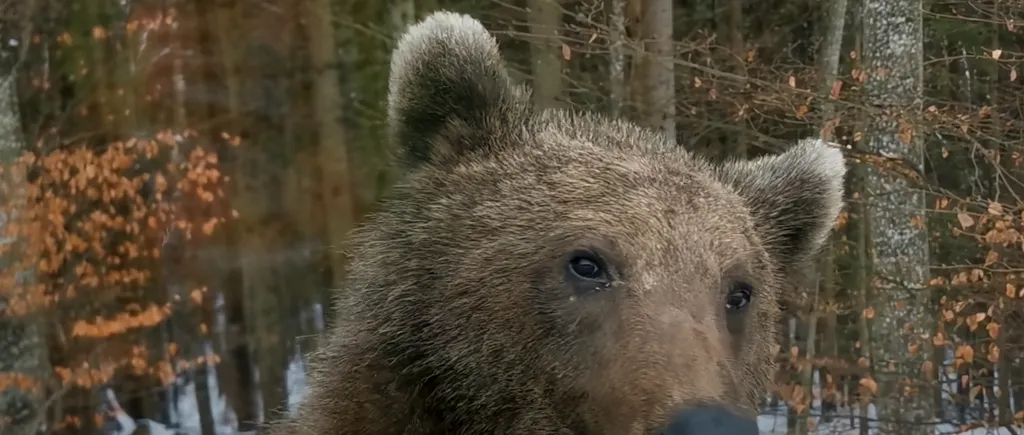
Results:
710 420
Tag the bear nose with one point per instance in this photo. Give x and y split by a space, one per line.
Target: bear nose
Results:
710 420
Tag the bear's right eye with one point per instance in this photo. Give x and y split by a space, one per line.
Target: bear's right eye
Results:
587 267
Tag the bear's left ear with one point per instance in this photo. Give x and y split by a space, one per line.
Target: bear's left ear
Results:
795 197
449 92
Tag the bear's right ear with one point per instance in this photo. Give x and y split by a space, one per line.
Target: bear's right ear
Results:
794 197
449 90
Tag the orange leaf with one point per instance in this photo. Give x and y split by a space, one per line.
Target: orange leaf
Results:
965 352
991 258
993 329
993 354
928 369
837 85
965 220
869 384
995 208
913 348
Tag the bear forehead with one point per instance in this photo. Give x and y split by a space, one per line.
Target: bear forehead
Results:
603 183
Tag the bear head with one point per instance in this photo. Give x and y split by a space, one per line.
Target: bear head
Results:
552 271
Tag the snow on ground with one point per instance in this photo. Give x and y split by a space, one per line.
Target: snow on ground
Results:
774 422
771 422
185 413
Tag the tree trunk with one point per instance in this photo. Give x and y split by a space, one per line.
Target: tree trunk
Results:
829 70
334 170
545 51
657 68
22 342
893 53
616 17
830 51
862 286
807 370
235 374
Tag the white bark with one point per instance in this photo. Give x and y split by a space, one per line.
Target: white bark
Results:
616 14
22 349
893 55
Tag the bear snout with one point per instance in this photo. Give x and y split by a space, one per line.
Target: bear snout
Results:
710 420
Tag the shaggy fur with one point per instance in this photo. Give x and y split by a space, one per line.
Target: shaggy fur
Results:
458 316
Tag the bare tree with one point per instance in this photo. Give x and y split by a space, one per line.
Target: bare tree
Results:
545 22
828 67
893 53
657 99
334 171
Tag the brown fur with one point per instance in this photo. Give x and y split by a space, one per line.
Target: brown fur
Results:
457 316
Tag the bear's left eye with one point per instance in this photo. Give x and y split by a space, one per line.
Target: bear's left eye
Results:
586 267
739 296
586 272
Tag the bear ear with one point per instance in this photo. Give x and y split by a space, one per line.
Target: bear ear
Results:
795 197
449 91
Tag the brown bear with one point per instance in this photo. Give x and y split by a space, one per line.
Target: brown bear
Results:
557 272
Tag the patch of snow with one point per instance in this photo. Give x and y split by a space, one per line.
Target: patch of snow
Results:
296 381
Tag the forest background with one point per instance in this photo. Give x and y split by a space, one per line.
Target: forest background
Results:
177 179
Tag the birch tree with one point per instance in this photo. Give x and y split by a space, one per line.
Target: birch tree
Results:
616 18
893 53
23 358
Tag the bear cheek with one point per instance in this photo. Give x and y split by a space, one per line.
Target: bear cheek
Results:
738 326
585 318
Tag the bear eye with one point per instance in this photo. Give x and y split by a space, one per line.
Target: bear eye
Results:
739 296
587 267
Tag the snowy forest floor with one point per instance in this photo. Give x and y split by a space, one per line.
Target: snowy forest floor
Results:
186 414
